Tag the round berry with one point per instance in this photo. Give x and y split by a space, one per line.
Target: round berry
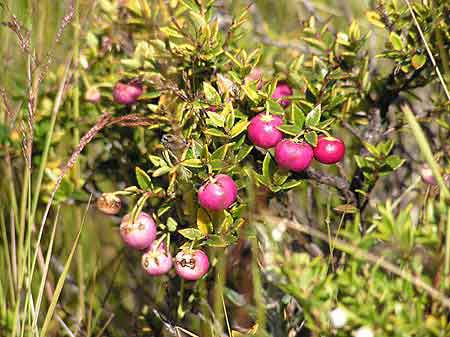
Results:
263 131
293 156
109 203
127 93
218 194
157 260
230 187
191 265
281 91
141 233
93 95
427 175
329 150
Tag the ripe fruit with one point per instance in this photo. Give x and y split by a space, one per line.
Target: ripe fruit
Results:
127 93
141 233
329 150
157 260
263 131
109 203
293 156
191 265
218 194
93 95
281 91
427 175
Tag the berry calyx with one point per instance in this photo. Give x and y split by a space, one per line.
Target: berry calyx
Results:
218 193
329 150
109 203
127 94
282 91
157 259
293 156
191 265
263 131
141 233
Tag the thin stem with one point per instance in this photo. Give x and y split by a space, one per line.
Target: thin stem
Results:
430 54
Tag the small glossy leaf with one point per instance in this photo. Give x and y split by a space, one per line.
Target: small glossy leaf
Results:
288 129
313 117
191 233
418 61
143 179
211 94
238 128
204 223
311 138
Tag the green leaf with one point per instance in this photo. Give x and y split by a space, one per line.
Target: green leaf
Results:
191 234
221 152
396 41
216 119
268 165
244 151
394 162
221 240
372 149
204 223
418 61
288 129
238 128
211 94
313 117
311 138
290 184
196 163
143 179
298 117
161 171
250 93
171 224
215 133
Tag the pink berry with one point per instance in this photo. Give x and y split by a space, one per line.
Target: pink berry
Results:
281 91
127 93
157 260
329 150
218 194
263 131
141 233
230 187
427 175
93 95
293 156
191 265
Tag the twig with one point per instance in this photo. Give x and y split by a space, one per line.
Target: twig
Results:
338 182
430 54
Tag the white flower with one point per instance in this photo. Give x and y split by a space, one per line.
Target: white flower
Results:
364 332
338 317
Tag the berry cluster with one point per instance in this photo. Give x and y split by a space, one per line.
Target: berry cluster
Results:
219 192
291 154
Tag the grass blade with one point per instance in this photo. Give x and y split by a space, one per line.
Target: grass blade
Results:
62 278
